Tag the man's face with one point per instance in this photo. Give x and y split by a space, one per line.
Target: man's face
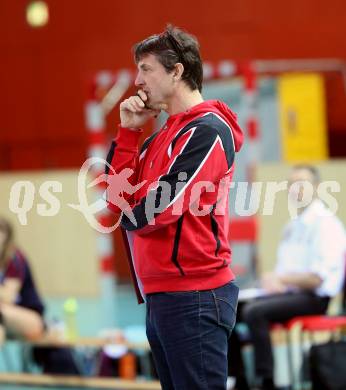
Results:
154 80
305 176
3 238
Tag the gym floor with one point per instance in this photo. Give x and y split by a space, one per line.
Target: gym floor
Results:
21 387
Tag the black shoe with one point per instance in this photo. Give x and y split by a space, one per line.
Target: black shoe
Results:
241 383
267 384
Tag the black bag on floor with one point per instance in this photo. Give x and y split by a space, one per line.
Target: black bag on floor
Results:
328 366
56 360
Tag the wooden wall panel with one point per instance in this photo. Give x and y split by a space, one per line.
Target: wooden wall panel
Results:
61 248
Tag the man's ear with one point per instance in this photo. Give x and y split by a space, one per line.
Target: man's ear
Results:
178 71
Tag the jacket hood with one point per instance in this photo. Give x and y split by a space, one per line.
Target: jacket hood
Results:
219 108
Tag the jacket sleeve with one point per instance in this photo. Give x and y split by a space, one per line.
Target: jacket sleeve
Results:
123 154
201 154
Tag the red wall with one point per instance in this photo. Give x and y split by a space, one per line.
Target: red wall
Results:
43 72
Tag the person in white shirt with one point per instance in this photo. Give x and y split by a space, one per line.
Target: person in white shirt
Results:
310 269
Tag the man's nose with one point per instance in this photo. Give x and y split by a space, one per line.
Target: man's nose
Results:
139 81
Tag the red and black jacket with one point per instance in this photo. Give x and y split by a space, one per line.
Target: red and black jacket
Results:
177 225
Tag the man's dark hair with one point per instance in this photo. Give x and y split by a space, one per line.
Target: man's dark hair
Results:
313 170
170 47
6 228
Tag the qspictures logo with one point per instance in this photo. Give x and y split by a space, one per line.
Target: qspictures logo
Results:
118 187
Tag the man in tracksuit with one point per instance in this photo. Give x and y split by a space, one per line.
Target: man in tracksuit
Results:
176 223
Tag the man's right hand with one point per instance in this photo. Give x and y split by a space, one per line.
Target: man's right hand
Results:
272 283
134 114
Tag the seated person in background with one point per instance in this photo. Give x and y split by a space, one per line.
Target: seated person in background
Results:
310 270
21 309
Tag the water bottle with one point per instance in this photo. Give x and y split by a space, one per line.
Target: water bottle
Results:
70 311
